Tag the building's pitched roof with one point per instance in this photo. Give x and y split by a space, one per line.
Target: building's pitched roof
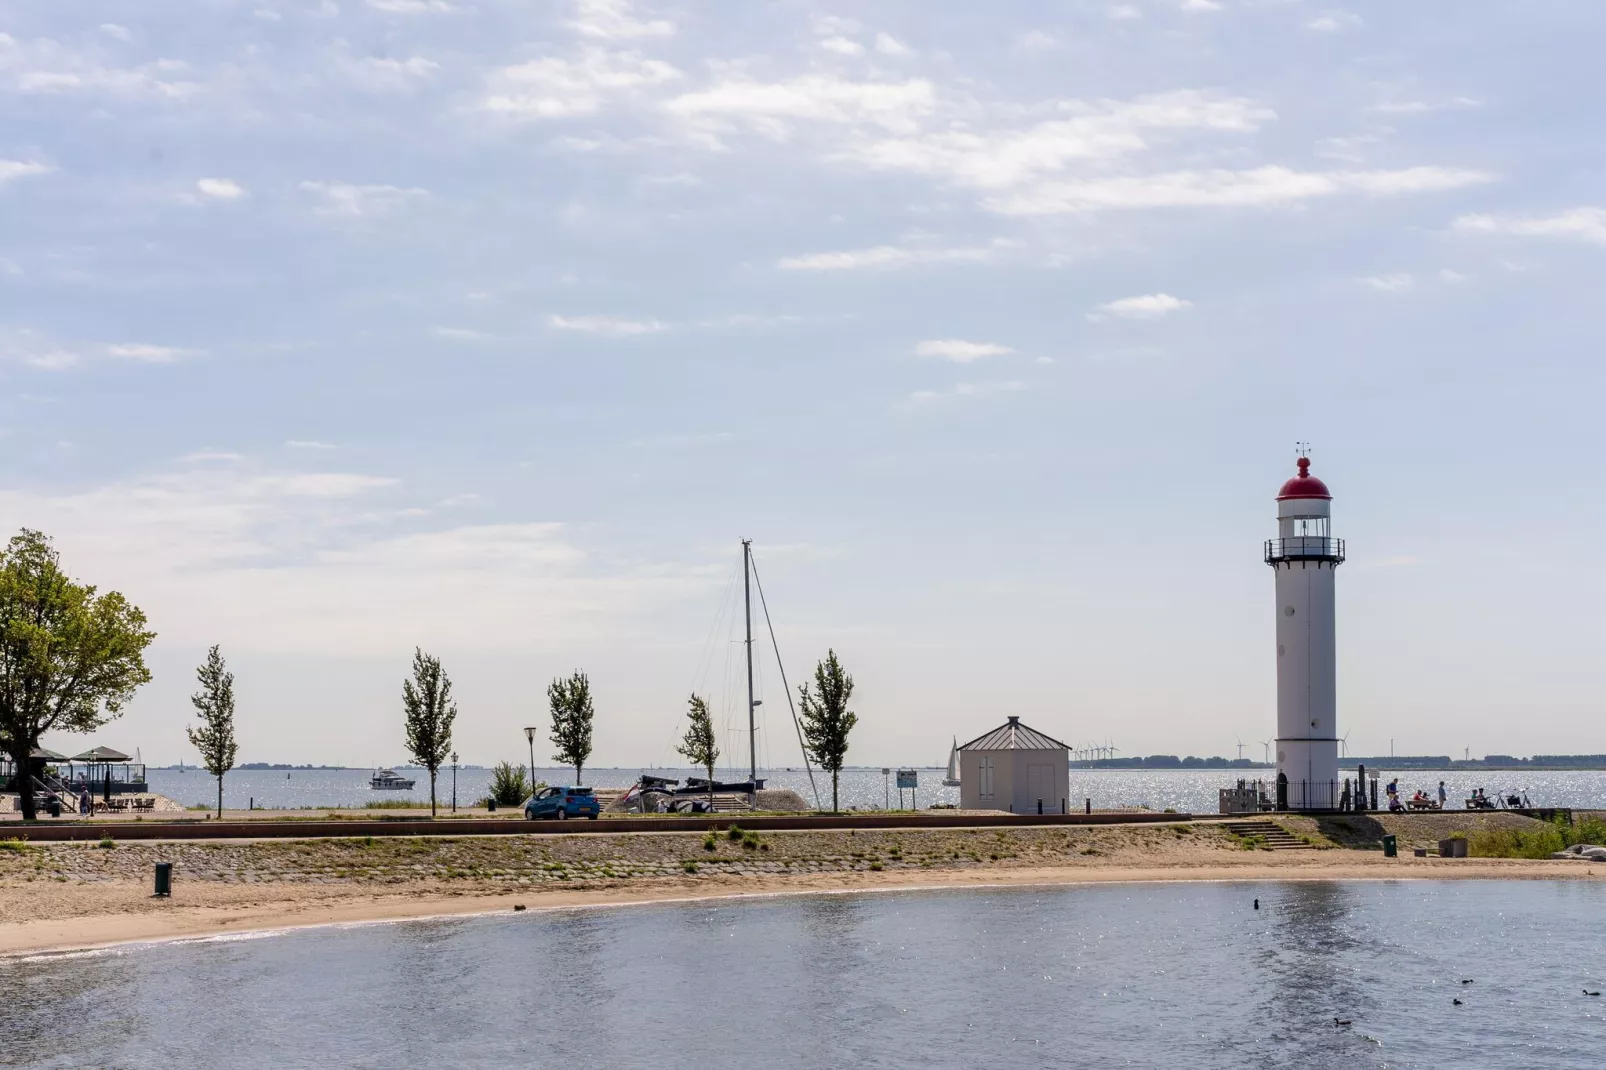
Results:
1012 735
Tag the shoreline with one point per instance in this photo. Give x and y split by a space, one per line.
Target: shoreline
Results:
178 921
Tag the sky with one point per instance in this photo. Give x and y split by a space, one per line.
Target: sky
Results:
334 328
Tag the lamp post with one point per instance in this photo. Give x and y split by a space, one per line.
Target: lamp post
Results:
454 782
529 736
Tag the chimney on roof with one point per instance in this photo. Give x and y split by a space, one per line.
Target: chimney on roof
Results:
1014 720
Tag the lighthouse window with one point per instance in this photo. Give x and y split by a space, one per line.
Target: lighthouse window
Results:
1310 526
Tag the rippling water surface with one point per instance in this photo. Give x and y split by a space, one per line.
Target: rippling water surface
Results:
1186 790
1131 975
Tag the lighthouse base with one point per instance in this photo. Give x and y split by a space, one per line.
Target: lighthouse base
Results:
1307 774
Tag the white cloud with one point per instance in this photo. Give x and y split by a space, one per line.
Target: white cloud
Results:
121 33
611 19
1036 41
772 107
1200 5
1220 188
1450 275
1587 224
35 350
409 7
1334 22
1123 12
962 392
10 170
387 74
149 353
959 351
222 189
1141 307
1399 282
607 325
345 199
459 334
307 444
882 256
842 46
888 45
46 66
554 87
1422 107
322 484
209 455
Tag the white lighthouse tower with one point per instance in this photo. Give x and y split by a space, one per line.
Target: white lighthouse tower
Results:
1305 557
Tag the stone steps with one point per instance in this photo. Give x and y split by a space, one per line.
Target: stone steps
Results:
1275 836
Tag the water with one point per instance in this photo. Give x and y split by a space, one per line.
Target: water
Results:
1112 975
1185 790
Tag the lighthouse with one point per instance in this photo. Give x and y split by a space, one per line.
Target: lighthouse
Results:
1305 556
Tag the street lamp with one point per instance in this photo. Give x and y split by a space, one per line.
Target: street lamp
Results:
529 736
454 782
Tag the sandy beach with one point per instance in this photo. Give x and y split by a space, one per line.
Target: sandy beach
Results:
68 896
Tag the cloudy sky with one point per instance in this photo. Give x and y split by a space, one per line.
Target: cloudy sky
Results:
332 327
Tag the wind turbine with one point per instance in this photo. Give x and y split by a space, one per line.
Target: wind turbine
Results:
1343 744
1265 746
1240 748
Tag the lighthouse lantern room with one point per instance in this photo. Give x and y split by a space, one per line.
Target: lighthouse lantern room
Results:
1305 557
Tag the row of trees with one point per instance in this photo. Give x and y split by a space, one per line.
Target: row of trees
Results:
71 659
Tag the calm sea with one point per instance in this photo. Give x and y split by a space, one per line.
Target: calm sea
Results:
1189 791
1095 976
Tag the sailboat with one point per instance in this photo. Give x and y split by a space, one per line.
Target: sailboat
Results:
952 779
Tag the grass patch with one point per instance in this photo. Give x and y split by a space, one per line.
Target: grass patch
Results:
16 846
689 865
877 866
1541 842
710 843
106 843
734 833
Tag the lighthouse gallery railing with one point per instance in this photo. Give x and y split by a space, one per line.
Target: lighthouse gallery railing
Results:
1304 548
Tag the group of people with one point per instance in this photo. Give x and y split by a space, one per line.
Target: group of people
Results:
1421 800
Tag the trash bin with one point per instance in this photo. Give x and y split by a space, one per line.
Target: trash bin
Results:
164 878
490 806
1391 847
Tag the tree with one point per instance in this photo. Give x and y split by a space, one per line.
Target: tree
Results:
698 745
572 714
427 700
827 719
70 658
214 705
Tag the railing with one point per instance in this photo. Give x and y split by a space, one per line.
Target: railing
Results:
1304 548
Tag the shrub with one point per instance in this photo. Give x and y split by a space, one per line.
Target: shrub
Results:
877 866
1589 829
510 784
710 843
1515 843
750 841
689 866
734 833
106 843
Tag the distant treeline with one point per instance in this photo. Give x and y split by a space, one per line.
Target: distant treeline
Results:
1413 761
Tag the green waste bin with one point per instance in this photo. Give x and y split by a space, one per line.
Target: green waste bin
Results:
1391 847
164 878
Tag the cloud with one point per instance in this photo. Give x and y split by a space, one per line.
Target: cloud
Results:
1123 12
1036 41
883 257
1399 282
149 353
112 29
555 88
387 74
1259 186
1587 224
958 351
459 334
1334 22
842 46
1142 307
221 189
409 7
888 45
45 66
607 325
706 438
961 392
345 199
307 444
322 484
11 170
1200 5
208 455
1422 107
35 350
771 108
612 19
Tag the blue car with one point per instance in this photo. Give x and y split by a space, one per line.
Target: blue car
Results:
562 803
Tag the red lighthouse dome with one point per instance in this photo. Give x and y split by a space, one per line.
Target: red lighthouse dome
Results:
1304 485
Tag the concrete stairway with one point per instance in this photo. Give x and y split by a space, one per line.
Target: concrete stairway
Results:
1272 834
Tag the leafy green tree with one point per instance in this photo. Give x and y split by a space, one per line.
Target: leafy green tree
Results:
214 705
698 745
427 700
827 719
572 715
509 784
70 658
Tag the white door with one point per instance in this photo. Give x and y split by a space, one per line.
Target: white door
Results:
985 768
1040 786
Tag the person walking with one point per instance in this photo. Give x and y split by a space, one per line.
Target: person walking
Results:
1443 797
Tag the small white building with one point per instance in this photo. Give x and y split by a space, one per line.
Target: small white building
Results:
1015 768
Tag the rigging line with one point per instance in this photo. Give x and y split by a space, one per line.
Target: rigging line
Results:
779 665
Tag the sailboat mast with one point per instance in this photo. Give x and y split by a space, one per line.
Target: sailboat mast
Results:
747 605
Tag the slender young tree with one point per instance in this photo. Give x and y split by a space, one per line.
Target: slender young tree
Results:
70 658
214 705
572 714
427 700
698 745
827 721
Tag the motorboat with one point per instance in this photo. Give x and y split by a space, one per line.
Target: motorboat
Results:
390 780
